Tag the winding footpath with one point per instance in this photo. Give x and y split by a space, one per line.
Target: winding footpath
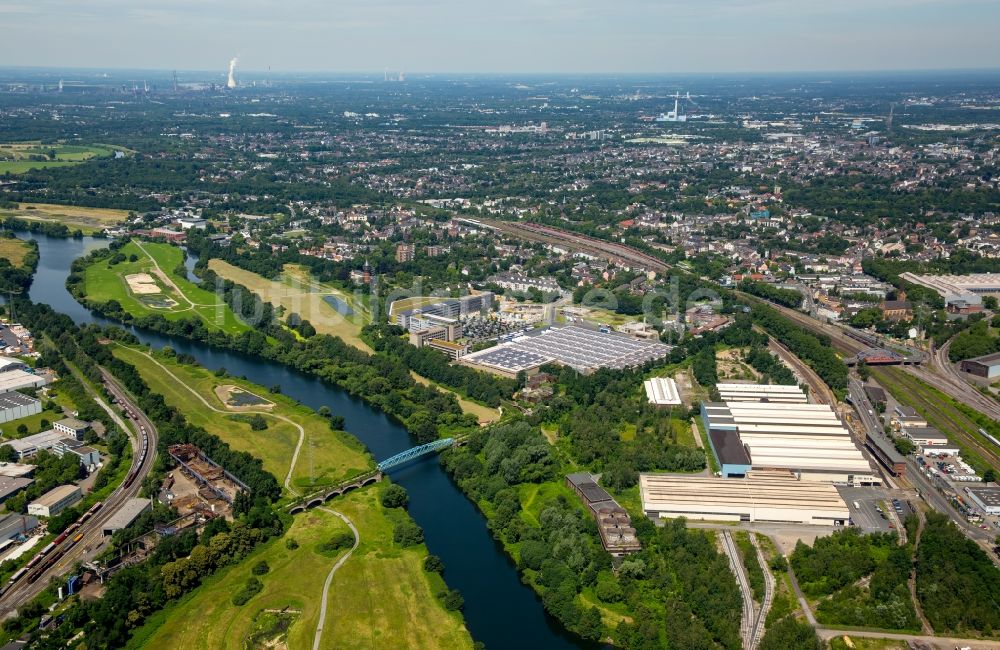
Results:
302 432
329 577
324 601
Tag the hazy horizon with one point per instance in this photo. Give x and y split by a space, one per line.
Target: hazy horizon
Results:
518 37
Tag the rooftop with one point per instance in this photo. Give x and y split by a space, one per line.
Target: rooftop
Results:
127 514
73 423
13 399
989 496
987 360
582 349
55 495
662 391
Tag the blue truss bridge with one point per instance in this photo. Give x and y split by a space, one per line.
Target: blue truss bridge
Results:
373 476
414 453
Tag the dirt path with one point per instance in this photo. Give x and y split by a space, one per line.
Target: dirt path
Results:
329 577
925 625
167 280
302 432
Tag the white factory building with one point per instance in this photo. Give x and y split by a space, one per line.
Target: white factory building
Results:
807 440
14 406
774 393
758 497
18 379
662 391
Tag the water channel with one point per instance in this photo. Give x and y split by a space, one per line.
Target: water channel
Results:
499 610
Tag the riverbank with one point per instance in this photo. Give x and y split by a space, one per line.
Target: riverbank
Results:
453 528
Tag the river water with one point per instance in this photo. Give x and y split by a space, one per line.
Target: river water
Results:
499 610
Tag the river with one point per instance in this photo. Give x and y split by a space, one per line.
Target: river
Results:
499 610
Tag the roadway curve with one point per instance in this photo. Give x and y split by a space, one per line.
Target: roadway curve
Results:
302 432
92 531
949 380
329 577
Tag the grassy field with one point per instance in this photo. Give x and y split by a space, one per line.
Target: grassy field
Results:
88 220
297 293
106 282
14 251
327 456
19 157
380 598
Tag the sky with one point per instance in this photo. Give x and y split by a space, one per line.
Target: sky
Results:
496 36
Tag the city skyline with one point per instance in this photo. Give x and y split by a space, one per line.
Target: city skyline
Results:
554 36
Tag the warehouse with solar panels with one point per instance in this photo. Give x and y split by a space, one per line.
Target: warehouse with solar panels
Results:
584 350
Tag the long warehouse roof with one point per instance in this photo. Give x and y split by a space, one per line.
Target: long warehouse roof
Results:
807 438
763 495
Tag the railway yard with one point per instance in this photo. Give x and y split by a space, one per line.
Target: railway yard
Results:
84 538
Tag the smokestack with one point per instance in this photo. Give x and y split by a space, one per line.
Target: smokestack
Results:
231 82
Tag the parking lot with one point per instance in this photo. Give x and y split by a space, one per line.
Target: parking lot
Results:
867 516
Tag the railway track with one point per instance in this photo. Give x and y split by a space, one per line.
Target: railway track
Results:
959 428
86 534
769 588
581 243
747 622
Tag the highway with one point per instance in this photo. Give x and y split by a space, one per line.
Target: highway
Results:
69 553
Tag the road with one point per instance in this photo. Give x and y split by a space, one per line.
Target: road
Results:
948 379
329 577
265 413
93 537
944 642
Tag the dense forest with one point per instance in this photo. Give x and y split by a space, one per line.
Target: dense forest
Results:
786 297
678 589
17 279
958 585
814 350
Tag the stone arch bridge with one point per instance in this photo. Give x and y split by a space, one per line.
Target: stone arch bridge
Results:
321 496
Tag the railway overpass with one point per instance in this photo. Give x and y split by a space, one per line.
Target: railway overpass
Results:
374 476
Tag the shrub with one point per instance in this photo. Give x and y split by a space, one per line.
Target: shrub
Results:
395 496
453 600
433 564
343 539
406 533
249 590
260 568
